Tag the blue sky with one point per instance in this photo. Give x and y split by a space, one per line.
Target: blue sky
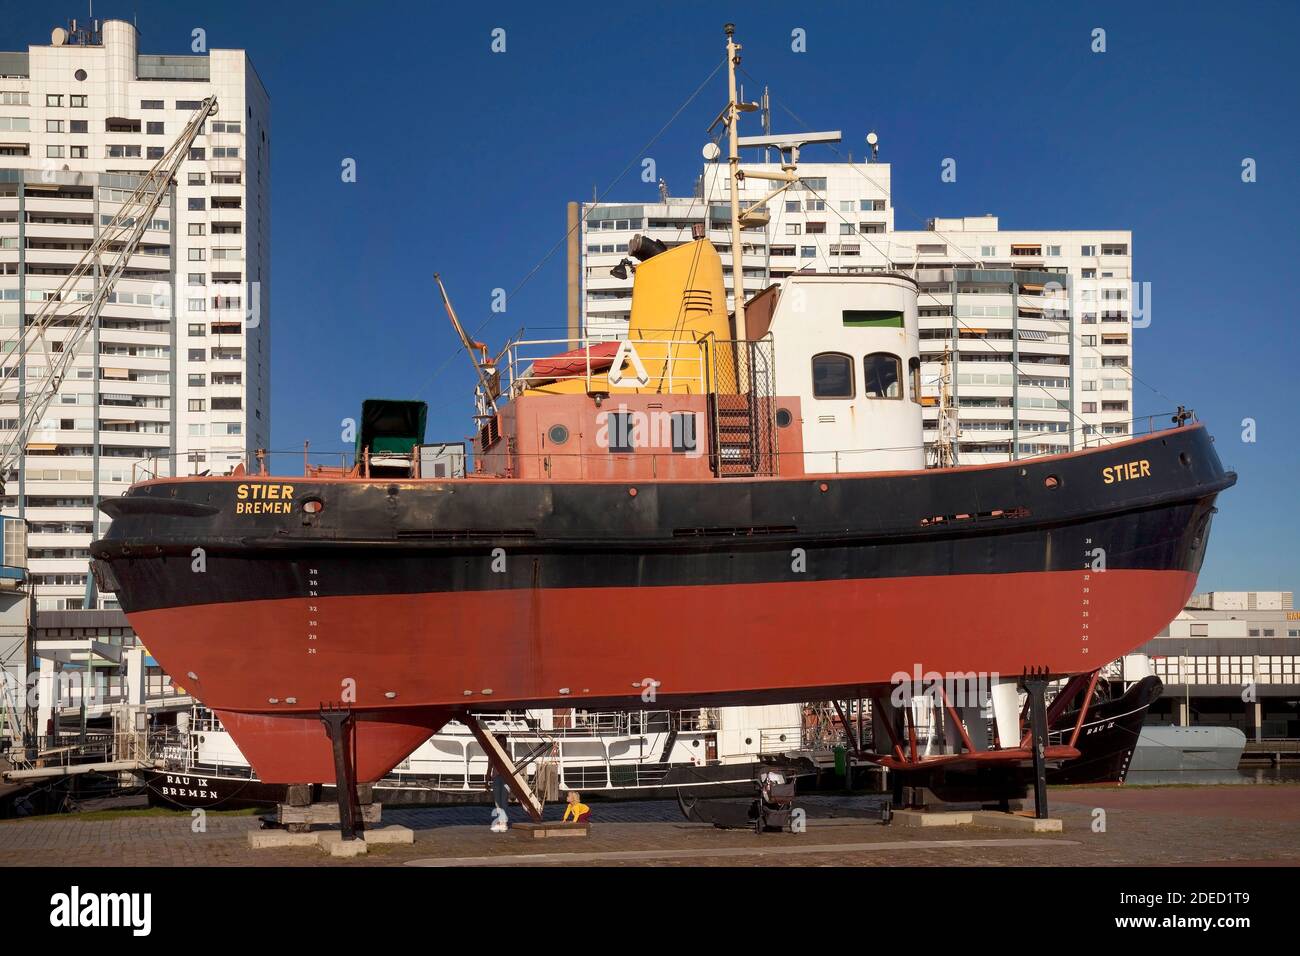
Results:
466 158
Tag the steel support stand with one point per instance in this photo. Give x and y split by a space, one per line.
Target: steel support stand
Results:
340 724
1034 683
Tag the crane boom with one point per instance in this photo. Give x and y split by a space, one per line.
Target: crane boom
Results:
121 238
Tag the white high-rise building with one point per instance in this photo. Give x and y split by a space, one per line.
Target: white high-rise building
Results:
175 378
1038 324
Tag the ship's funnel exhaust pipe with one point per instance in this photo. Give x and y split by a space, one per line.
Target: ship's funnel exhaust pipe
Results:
643 247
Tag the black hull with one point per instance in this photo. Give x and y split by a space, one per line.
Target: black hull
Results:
388 538
1109 734
193 790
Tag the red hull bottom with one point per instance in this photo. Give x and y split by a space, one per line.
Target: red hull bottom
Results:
407 663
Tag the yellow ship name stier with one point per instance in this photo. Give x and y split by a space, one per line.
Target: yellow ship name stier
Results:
1128 471
262 498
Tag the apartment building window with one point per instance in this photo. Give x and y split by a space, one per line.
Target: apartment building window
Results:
873 205
153 129
792 205
1090 385
151 104
1089 408
1114 249
197 153
196 305
846 229
226 127
198 328
54 126
196 179
231 428
807 252
815 205
53 99
123 152
988 252
1088 251
197 255
816 228
197 379
198 228
53 152
225 152
1089 273
1089 340
198 405
79 126
198 430
13 98
79 152
78 100
190 105
196 203
846 205
196 355
153 152
793 229
1054 251
870 228
196 278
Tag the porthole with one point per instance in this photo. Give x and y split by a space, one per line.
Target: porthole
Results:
80 75
783 418
1051 481
313 506
1184 460
558 435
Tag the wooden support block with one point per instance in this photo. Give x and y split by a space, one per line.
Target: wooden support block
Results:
323 814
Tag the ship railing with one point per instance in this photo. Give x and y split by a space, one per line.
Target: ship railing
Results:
809 461
584 723
670 363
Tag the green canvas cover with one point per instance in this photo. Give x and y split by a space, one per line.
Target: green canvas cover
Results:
390 425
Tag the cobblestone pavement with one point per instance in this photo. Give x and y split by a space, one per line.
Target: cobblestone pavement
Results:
1220 825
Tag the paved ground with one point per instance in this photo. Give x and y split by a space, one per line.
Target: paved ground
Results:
1235 825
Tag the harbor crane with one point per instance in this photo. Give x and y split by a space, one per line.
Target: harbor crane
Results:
78 310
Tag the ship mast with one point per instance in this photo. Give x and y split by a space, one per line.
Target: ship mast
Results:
945 445
787 145
735 176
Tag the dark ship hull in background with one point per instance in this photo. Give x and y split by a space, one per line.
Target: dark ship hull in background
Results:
1109 734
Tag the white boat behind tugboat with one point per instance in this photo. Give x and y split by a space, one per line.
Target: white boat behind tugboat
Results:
612 755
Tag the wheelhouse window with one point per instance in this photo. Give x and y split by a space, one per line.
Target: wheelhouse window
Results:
832 374
914 375
882 376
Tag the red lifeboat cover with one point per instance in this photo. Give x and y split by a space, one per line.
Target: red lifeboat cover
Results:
575 362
